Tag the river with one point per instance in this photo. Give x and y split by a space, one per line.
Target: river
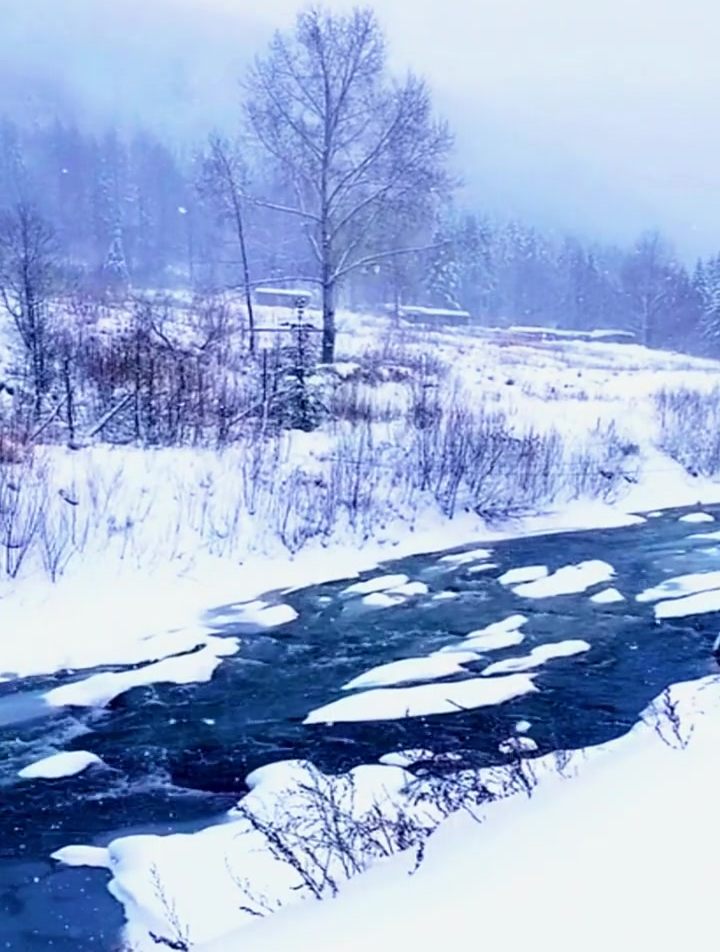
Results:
176 756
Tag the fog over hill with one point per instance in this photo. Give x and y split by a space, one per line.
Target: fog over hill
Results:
596 120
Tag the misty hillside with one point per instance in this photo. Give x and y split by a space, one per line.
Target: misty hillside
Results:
159 64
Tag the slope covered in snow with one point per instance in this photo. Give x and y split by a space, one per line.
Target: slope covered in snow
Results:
620 853
125 548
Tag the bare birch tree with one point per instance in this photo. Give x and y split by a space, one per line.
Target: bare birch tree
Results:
224 178
348 142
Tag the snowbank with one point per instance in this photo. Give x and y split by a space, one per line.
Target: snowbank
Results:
618 855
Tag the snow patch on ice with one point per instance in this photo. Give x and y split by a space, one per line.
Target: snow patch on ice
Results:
682 585
430 668
703 603
710 536
460 558
697 517
99 689
388 704
382 600
530 573
266 616
537 657
609 596
410 590
373 585
94 856
66 764
501 634
568 580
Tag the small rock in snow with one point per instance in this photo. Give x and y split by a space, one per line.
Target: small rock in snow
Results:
515 745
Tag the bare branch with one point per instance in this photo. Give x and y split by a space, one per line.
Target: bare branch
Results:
381 255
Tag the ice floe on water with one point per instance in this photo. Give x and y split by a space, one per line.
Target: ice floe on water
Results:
373 585
382 600
94 856
608 596
697 517
410 590
387 591
266 616
537 657
460 558
429 668
529 573
694 594
709 536
99 689
66 764
681 585
568 580
501 634
703 603
387 704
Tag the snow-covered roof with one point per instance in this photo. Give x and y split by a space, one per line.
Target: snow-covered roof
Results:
574 334
433 311
285 292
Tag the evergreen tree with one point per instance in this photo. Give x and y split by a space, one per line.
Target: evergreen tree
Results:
115 271
707 284
442 285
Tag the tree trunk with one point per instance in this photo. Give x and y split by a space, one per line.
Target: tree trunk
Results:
328 330
240 230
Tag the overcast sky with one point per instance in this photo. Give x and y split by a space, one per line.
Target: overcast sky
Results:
600 115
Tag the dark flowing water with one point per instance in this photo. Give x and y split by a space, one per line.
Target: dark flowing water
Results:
177 756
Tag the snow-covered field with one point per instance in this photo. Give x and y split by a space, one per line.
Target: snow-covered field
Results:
116 554
149 539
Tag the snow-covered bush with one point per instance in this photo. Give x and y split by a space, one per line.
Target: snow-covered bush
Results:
689 428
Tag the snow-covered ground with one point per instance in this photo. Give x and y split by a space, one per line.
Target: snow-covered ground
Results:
141 543
615 842
136 546
618 856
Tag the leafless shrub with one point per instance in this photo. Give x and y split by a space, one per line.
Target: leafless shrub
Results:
56 540
22 503
689 428
663 716
179 941
358 403
12 450
326 837
445 787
